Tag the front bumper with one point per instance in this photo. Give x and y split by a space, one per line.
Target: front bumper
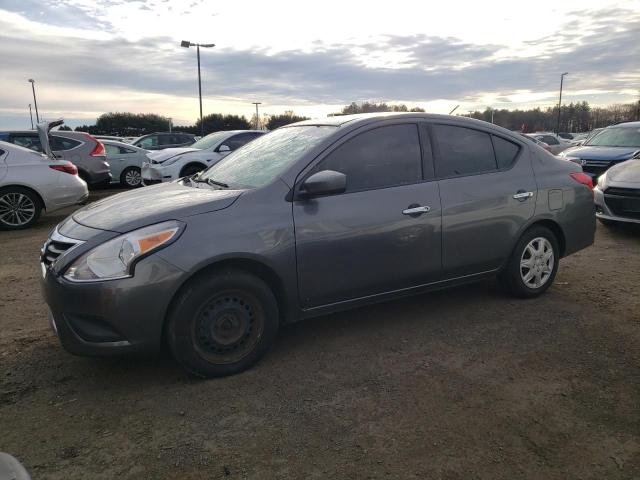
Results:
153 173
115 316
606 211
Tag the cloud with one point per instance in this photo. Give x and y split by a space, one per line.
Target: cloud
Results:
600 52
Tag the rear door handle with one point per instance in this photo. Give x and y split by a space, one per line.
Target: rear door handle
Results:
522 195
416 210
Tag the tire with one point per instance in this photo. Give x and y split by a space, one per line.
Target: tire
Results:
222 324
19 208
131 177
191 169
537 243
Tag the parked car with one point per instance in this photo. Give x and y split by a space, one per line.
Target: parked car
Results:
314 217
556 144
31 182
540 143
617 195
160 141
125 162
174 163
80 148
610 146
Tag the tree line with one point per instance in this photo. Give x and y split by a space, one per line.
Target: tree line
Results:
127 124
574 117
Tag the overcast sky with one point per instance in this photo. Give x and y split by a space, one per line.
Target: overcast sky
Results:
94 56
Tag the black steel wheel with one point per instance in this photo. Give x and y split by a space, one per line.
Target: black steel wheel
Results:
221 324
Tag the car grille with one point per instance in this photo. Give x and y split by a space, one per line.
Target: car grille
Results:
623 202
55 246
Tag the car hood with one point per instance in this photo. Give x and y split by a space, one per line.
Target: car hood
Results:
627 172
605 154
162 155
145 206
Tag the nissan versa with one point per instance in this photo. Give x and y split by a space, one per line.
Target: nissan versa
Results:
312 218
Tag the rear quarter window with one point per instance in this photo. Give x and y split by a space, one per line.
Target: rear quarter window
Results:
506 151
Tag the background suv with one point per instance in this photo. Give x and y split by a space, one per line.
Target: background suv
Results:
160 141
81 149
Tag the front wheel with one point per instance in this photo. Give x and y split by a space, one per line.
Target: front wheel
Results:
533 264
222 324
131 177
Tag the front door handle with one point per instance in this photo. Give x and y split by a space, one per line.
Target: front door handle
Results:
522 195
416 210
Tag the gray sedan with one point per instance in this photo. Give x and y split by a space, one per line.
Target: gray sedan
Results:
125 162
312 218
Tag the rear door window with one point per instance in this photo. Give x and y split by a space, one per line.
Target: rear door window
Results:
27 141
463 151
379 158
239 140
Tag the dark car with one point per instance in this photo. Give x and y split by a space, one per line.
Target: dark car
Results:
608 147
312 218
83 150
160 141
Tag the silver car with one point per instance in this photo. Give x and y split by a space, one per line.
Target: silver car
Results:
125 162
617 194
556 144
31 182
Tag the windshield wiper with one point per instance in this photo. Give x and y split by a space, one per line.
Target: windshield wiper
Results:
195 178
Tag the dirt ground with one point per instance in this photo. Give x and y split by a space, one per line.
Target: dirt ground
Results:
462 384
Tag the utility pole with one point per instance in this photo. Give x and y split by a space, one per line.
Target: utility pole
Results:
560 101
35 103
187 44
257 115
31 116
170 124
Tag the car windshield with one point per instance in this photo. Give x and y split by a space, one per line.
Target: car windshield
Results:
210 140
616 137
261 160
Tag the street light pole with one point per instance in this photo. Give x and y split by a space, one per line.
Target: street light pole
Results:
257 116
560 101
187 44
31 116
33 88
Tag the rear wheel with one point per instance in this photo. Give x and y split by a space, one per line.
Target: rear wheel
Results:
19 208
131 177
533 264
222 324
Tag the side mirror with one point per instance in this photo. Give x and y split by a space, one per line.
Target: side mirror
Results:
326 182
224 148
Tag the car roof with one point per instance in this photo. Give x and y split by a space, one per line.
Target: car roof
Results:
364 118
625 125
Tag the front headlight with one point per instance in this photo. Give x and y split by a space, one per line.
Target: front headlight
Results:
171 160
116 258
602 181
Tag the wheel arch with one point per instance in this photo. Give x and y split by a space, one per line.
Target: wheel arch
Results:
246 264
43 204
191 164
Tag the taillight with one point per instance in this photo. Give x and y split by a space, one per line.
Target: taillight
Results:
69 168
98 149
582 178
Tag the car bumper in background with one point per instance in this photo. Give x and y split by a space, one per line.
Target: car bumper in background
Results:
152 174
617 204
112 317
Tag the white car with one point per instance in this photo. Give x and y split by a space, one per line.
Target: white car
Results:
31 182
173 163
